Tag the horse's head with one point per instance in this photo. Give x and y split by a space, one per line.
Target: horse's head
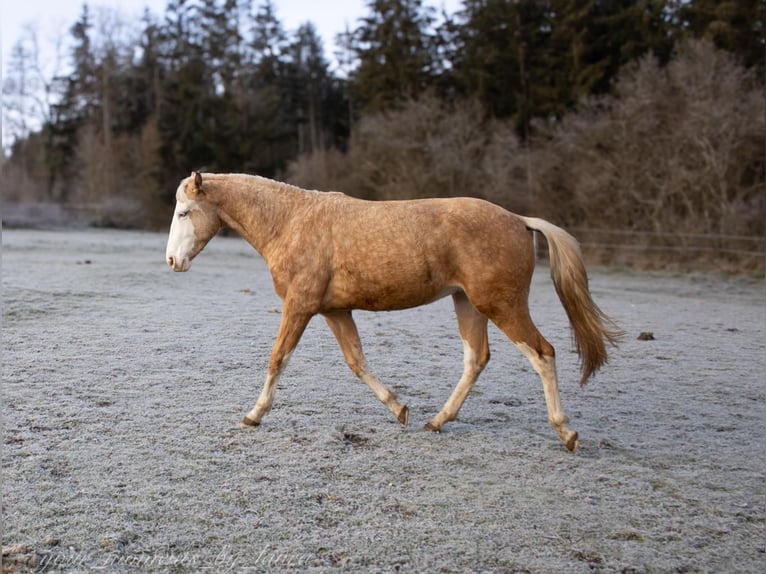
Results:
195 222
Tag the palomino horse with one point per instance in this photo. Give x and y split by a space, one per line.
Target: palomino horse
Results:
329 253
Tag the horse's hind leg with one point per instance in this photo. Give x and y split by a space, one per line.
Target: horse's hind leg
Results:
342 325
473 332
517 325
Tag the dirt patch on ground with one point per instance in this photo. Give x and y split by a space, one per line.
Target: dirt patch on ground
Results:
123 385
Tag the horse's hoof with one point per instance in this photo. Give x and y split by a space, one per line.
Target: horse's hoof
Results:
572 442
404 415
247 422
430 426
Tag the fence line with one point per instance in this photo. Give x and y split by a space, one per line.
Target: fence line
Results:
671 234
658 241
679 248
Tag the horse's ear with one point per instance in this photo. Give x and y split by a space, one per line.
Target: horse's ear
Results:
196 185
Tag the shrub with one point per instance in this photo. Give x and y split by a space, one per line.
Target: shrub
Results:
675 149
427 148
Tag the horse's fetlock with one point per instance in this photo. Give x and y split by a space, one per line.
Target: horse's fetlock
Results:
559 420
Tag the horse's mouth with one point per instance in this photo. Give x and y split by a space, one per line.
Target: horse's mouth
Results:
178 266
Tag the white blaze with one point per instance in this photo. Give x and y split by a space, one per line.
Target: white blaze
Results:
181 238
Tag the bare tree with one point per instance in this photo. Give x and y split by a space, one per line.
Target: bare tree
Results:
28 90
111 46
28 99
427 148
675 149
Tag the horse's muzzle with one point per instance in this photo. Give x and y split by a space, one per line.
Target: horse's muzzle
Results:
176 265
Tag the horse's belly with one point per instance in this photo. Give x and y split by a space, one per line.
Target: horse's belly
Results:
403 299
385 293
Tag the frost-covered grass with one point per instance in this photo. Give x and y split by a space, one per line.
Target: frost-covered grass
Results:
123 384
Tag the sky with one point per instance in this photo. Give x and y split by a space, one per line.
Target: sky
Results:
55 17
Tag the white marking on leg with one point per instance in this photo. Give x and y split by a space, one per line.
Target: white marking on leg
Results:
384 395
471 372
466 382
546 368
266 398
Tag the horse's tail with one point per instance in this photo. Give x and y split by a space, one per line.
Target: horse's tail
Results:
590 326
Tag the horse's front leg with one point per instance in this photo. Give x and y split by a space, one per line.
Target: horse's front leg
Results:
290 330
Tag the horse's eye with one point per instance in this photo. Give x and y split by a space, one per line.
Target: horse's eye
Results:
183 214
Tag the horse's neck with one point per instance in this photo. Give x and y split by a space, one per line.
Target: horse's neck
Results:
256 208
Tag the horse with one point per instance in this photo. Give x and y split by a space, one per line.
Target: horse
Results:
329 254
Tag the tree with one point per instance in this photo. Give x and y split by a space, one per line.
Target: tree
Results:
309 80
27 107
737 26
269 44
396 50
347 63
318 96
269 108
498 48
676 148
21 90
78 100
141 87
531 58
623 31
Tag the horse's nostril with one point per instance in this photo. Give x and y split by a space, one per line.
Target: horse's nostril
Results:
171 261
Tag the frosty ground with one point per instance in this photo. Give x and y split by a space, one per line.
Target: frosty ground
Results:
123 385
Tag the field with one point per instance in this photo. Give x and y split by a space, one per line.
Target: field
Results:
124 383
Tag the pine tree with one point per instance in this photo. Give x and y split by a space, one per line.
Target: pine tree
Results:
78 101
185 108
396 50
309 84
271 132
144 80
531 58
500 53
738 26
